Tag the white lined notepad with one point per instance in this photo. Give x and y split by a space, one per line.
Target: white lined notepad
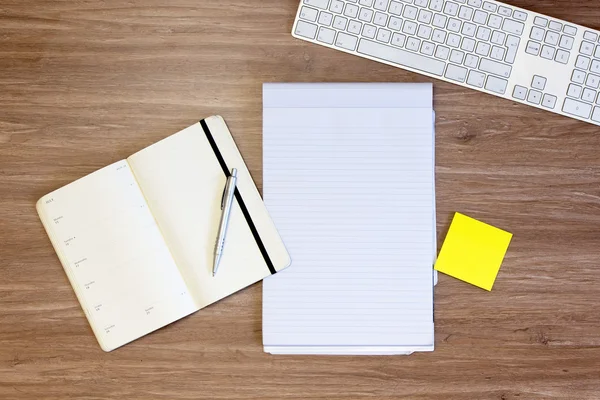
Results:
349 182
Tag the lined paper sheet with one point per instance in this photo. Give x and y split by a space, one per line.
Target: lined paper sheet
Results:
349 182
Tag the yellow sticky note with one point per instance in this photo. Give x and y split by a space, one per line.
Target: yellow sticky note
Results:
473 251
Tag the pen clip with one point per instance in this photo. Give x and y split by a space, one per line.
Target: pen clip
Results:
224 192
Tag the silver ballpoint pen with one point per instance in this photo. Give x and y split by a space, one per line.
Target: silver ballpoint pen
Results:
226 206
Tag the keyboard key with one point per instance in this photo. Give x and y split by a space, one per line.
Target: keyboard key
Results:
577 108
582 62
588 95
336 6
596 115
512 42
480 17
413 44
442 52
469 29
587 48
465 13
595 66
410 12
351 11
471 61
547 52
514 27
537 34
597 53
570 30
532 48
520 15
346 41
306 29
380 19
424 31
456 73
566 42
439 36
483 49
494 67
381 5
468 45
495 21
410 28
326 35
401 57
427 48
453 40
483 33
578 77
367 3
551 38
325 18
588 35
340 23
354 27
366 15
593 81
421 3
395 23
436 5
562 56
454 25
538 82
539 21
322 4
309 14
498 38
549 101
534 97
497 53
520 92
489 6
425 16
574 91
369 31
383 35
474 3
451 8
439 20
555 26
396 8
476 79
507 12
457 56
398 39
496 85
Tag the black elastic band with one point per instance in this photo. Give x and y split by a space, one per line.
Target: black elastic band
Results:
239 198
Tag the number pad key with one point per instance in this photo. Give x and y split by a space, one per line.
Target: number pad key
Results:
549 101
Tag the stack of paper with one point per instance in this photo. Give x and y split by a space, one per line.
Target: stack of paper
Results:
349 181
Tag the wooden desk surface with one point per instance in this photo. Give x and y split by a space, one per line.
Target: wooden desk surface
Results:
86 83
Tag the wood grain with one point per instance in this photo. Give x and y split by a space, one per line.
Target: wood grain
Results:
85 83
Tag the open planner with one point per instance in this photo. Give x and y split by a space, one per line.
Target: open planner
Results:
349 181
136 238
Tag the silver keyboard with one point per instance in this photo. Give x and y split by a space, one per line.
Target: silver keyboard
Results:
485 45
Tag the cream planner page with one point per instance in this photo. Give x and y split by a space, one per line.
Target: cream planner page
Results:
114 255
349 181
183 182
